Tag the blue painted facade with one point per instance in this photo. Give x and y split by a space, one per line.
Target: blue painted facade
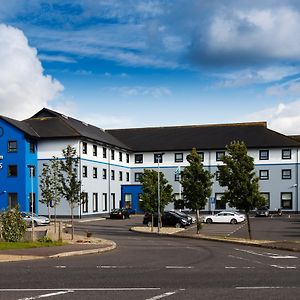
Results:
131 192
17 188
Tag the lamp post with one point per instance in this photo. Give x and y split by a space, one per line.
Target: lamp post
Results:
32 222
159 159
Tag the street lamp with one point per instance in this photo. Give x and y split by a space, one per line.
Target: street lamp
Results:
159 159
31 179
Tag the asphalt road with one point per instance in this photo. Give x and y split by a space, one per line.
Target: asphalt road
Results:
155 267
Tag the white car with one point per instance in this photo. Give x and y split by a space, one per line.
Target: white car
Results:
224 217
37 220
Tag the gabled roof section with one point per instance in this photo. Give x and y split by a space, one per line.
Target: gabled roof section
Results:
205 137
26 128
51 124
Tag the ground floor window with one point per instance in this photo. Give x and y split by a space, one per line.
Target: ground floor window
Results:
95 202
141 204
286 200
12 200
104 200
85 202
113 200
219 203
266 195
128 200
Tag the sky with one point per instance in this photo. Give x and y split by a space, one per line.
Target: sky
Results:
145 63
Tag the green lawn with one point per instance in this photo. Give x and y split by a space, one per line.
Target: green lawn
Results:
24 245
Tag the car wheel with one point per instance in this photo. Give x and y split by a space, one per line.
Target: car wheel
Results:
209 221
35 224
178 225
233 221
149 224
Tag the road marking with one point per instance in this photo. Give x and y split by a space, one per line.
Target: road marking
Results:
283 267
60 267
48 295
164 295
239 267
179 267
84 289
263 287
266 254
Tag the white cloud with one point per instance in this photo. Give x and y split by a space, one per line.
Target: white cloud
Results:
289 88
24 88
143 91
284 118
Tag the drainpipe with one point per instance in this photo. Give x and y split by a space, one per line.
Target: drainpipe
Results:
297 183
80 171
109 178
209 169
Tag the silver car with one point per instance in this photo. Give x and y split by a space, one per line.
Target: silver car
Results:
37 220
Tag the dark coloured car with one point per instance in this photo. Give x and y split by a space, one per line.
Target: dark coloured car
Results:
168 218
262 212
120 213
190 218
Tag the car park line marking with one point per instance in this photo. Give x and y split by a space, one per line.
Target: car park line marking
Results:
266 254
237 229
167 294
283 267
239 267
48 295
179 267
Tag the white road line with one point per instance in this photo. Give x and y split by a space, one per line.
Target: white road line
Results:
83 289
164 295
263 287
60 267
179 267
239 267
283 267
48 295
266 254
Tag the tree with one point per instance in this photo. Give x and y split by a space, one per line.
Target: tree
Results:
196 183
238 175
50 185
149 181
70 185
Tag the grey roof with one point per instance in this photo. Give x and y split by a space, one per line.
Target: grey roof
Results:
26 128
255 135
50 124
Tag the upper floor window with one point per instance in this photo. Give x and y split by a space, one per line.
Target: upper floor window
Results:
219 155
127 158
120 156
12 170
158 158
178 157
137 176
84 148
12 146
177 177
263 154
113 154
104 152
32 147
263 174
95 150
127 176
201 154
120 175
104 174
286 154
138 158
95 172
217 175
286 174
112 174
84 171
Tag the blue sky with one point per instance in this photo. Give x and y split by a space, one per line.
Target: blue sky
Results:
137 63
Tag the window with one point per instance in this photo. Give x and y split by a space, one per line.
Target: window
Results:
201 154
127 158
112 174
219 155
286 174
12 171
177 177
158 158
112 154
286 200
120 156
217 175
95 150
140 206
32 147
104 201
178 203
95 172
12 200
104 174
104 152
95 202
266 195
12 146
138 158
264 174
128 200
85 202
113 200
263 154
219 203
286 154
84 171
127 176
178 157
84 147
137 176
120 175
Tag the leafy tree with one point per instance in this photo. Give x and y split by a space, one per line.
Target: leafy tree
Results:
238 175
70 185
13 225
196 183
50 185
149 196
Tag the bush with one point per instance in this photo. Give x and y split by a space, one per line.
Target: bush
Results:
13 225
45 239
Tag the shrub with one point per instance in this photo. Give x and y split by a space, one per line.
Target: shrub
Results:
45 239
13 225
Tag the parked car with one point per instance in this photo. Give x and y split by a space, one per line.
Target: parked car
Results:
190 218
262 212
168 218
225 217
119 213
37 220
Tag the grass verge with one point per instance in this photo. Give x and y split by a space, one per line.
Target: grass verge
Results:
25 245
